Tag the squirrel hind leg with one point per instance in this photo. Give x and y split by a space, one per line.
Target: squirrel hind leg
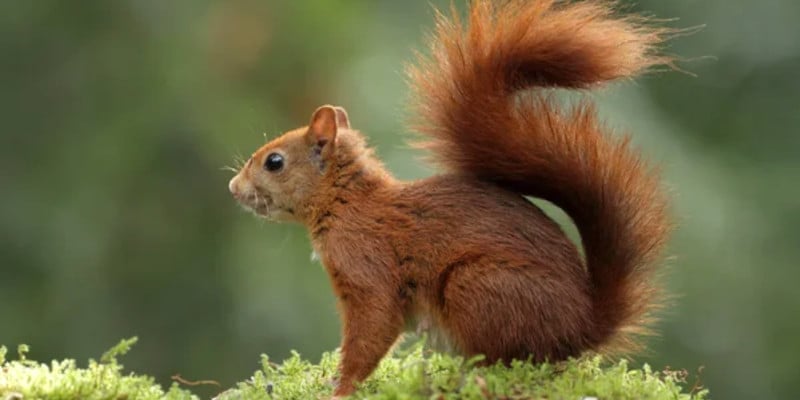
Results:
507 313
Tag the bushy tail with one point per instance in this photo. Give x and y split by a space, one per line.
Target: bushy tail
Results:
480 121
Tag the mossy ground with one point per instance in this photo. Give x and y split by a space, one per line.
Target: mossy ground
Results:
410 374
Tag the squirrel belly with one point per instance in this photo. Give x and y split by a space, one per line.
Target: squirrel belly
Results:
466 252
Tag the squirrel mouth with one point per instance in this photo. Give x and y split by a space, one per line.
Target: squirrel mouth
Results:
259 203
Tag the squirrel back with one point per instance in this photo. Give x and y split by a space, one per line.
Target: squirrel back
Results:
480 119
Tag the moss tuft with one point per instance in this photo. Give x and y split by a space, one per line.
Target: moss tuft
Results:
27 379
418 374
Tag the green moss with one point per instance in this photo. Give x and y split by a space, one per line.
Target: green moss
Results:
418 375
26 379
410 374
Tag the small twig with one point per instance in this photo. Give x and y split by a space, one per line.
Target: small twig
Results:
698 385
178 378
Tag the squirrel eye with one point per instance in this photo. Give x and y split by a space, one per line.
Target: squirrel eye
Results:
274 162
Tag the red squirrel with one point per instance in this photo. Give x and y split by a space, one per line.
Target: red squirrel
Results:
465 252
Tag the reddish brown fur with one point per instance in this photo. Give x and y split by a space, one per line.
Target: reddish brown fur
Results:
464 253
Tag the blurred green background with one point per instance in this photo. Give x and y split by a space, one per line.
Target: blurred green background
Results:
115 219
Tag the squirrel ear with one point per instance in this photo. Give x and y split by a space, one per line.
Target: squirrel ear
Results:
341 118
323 126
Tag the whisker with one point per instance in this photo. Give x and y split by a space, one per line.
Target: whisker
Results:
239 160
229 168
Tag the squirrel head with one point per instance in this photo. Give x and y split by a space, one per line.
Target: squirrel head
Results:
293 175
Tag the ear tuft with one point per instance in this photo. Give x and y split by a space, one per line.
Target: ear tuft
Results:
342 121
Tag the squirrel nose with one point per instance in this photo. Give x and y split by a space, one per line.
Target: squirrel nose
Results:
233 186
